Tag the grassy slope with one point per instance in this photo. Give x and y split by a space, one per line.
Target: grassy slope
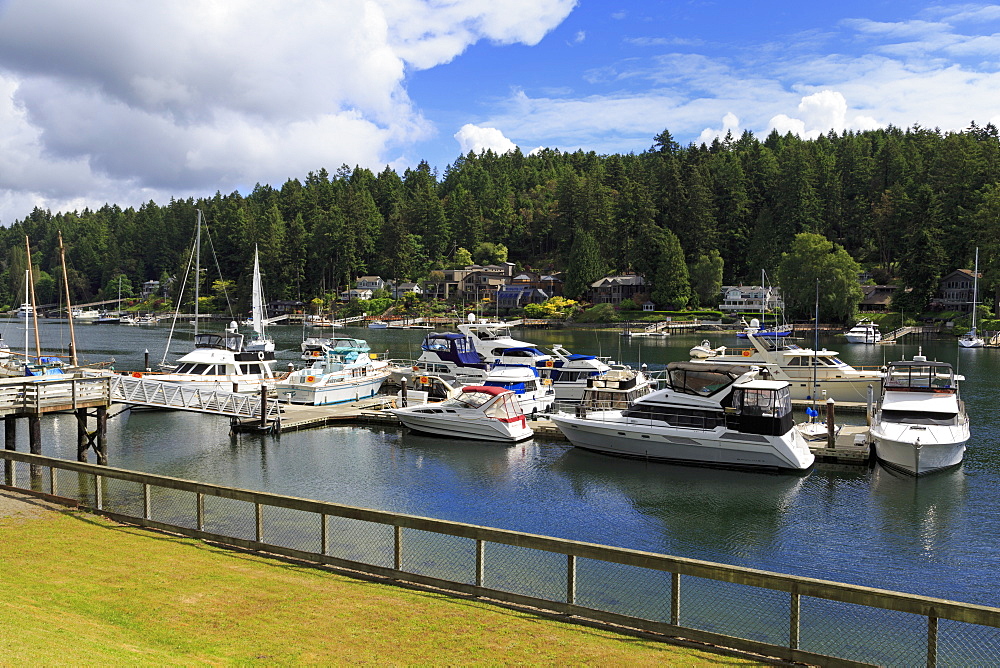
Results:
77 589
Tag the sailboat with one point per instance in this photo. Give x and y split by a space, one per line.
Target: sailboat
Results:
971 339
218 361
259 341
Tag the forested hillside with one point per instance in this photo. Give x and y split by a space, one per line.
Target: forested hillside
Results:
909 205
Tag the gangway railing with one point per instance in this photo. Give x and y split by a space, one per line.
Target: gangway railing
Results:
903 331
161 394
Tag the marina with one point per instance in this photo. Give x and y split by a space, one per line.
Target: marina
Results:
862 524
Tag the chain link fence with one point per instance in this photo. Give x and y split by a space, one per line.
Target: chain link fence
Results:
797 619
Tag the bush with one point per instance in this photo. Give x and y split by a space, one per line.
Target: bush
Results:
599 313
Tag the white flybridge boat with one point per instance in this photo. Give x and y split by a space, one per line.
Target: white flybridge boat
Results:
477 412
567 372
864 331
712 414
348 374
818 374
971 339
259 340
218 361
920 425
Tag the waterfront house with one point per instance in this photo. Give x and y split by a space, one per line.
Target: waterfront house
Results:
876 298
516 296
551 284
398 291
470 282
615 289
372 283
356 293
957 291
749 298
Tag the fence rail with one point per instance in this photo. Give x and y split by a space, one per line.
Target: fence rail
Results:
790 617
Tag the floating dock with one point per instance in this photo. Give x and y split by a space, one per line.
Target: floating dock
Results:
851 442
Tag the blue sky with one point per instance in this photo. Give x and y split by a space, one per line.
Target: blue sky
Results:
126 102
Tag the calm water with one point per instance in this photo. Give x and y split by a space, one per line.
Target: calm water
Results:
934 536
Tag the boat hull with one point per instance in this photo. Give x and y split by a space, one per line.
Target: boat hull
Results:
315 394
464 426
919 451
718 447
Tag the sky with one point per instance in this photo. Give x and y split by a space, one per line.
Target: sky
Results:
123 102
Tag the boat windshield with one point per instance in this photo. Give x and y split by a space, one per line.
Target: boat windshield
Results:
925 376
919 417
701 383
468 400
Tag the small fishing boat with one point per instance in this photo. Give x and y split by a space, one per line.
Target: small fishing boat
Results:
477 412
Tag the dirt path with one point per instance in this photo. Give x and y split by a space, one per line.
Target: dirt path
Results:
16 504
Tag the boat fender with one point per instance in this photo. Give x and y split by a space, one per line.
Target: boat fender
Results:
416 368
136 374
550 363
747 353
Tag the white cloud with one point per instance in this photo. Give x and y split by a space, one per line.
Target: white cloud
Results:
730 123
478 139
108 101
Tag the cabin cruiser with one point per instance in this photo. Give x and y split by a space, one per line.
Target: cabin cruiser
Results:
220 362
713 414
567 372
865 331
346 375
705 350
808 372
477 412
453 357
25 310
920 424
617 389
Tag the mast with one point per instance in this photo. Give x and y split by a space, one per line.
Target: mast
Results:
69 305
34 310
975 292
257 298
197 270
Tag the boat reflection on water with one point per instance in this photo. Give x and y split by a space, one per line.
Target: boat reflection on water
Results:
714 513
919 510
473 459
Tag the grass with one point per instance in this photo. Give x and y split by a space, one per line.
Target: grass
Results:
80 590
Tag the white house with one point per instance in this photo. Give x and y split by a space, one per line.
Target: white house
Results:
754 298
372 283
356 293
403 288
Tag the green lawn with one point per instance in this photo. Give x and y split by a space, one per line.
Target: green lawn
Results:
79 590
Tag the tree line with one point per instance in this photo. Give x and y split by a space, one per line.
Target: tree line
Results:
908 205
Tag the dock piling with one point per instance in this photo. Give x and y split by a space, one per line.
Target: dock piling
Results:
831 427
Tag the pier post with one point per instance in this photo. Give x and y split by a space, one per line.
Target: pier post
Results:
82 439
402 393
831 427
35 447
145 360
263 406
102 435
9 443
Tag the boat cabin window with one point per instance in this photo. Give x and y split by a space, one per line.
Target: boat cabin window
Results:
919 417
765 411
920 376
192 368
676 416
698 382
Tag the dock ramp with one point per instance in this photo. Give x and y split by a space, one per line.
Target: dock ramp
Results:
160 394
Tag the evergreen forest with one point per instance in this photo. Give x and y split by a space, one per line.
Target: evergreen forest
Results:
908 205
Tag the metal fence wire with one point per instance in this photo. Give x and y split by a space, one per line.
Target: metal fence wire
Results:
789 617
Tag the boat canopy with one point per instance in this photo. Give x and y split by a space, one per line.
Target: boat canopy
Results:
703 379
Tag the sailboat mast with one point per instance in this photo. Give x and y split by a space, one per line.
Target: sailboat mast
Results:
975 291
69 305
197 270
34 309
257 298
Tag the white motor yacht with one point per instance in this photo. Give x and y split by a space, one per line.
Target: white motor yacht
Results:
864 331
714 414
920 424
348 375
477 412
617 389
808 372
219 362
317 347
704 350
